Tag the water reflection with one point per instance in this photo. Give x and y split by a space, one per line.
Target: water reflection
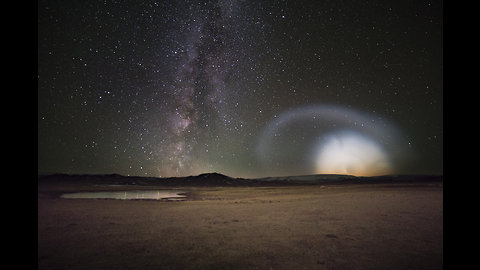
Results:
129 195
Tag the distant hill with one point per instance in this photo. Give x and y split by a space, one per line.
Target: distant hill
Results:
206 179
217 179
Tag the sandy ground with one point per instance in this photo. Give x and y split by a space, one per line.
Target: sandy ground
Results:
309 227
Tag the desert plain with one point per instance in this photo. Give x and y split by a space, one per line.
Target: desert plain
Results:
344 226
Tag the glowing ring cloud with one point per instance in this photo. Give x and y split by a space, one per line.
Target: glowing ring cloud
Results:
331 139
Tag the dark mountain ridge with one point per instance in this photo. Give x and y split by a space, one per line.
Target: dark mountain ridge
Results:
217 179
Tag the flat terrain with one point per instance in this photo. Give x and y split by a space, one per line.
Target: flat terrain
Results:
380 226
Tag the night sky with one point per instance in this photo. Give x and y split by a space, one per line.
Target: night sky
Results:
243 88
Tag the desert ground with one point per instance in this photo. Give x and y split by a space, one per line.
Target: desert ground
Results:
379 226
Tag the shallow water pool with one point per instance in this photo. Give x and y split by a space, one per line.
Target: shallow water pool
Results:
129 195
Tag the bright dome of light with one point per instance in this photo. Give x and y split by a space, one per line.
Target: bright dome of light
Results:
351 153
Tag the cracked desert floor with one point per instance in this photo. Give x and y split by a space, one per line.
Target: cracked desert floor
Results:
377 226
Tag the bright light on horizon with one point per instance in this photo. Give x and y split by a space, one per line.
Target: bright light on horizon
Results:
351 153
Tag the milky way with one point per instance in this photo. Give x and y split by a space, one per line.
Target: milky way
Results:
175 88
200 92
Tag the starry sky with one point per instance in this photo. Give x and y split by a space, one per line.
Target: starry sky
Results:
244 88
